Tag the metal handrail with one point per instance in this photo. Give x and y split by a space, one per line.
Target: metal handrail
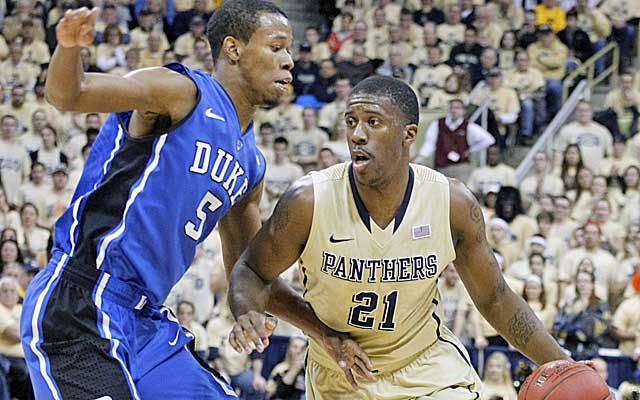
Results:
545 142
482 113
588 68
476 89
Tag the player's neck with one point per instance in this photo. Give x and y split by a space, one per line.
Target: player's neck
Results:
384 200
236 90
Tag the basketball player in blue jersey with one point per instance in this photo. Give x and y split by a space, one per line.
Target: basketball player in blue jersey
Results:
372 237
175 157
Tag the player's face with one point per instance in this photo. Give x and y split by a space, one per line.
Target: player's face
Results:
266 60
378 139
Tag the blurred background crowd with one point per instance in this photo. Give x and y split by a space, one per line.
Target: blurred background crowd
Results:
533 104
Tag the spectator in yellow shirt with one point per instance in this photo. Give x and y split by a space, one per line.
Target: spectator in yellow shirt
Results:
550 56
596 25
529 83
548 13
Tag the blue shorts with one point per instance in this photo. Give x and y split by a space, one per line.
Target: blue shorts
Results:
98 339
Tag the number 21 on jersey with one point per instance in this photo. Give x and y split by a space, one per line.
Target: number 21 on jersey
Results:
367 304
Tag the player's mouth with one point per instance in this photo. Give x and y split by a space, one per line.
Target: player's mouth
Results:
283 84
360 159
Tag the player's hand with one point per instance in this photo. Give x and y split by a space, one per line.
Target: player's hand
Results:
252 331
349 357
76 27
259 384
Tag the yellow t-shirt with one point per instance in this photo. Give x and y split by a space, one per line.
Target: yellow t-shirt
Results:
524 82
627 318
10 318
594 140
555 17
551 61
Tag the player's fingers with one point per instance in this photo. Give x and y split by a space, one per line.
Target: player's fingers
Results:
270 324
589 364
352 381
342 363
93 13
85 29
250 332
258 321
234 338
242 340
352 348
361 369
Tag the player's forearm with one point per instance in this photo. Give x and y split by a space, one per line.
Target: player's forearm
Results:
512 317
64 77
287 304
247 291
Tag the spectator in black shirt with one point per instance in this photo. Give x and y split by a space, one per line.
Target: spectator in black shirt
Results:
183 19
467 54
305 72
428 13
528 33
468 12
358 68
575 38
324 88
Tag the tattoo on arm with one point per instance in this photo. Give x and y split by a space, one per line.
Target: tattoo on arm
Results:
476 213
280 216
522 326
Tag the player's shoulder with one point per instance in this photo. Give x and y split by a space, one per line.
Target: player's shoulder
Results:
333 173
423 174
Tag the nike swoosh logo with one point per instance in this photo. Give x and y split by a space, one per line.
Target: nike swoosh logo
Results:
334 240
209 113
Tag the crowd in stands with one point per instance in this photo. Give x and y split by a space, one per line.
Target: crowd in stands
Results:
567 236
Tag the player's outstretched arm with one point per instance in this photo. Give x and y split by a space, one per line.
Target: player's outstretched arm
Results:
506 311
254 285
151 90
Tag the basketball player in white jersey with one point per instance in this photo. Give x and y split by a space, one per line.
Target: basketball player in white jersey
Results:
372 237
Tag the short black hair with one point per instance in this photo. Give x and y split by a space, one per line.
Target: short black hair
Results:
397 91
281 139
237 18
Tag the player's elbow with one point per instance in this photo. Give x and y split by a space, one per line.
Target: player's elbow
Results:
60 101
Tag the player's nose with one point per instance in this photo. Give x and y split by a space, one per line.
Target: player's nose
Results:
359 136
287 62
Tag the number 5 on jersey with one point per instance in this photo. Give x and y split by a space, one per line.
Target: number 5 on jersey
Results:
208 203
368 303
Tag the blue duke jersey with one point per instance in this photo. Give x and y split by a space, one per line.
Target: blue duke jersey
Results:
144 203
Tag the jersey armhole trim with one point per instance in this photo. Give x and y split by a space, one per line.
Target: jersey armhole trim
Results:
452 245
312 229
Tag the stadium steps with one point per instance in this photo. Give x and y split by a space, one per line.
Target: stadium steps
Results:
302 13
517 153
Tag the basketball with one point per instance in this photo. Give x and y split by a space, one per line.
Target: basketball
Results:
564 380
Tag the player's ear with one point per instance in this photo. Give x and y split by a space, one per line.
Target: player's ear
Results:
410 134
232 48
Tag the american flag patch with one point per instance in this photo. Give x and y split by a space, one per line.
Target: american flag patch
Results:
421 231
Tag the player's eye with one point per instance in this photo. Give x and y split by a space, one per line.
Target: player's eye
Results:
276 48
351 122
373 122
